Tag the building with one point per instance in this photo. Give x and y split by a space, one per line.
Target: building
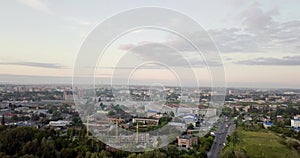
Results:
116 120
146 121
279 118
187 141
190 119
295 123
178 125
268 124
59 123
151 113
154 114
68 95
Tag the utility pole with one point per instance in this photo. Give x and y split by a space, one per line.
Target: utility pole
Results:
117 131
87 126
137 132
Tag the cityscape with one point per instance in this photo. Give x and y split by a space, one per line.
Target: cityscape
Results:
186 112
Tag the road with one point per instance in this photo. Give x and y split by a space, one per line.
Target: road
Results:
220 138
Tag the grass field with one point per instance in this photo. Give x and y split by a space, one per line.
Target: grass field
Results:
263 144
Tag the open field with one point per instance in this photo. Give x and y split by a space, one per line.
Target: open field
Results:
263 144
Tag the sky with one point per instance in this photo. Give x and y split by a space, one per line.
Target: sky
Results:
258 42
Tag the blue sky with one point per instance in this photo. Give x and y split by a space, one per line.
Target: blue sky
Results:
258 40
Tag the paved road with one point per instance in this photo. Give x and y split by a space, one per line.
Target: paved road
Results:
220 138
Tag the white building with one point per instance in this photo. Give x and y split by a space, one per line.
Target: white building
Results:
178 125
59 123
295 123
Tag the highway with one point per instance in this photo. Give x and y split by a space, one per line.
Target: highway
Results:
220 138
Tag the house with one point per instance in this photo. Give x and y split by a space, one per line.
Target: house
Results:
268 124
187 141
279 118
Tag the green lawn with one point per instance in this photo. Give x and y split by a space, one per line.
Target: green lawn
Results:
263 144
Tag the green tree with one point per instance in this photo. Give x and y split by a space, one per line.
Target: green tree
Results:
16 138
68 153
190 126
172 151
172 114
111 113
56 114
104 154
132 155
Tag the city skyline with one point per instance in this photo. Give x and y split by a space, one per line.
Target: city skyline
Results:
258 40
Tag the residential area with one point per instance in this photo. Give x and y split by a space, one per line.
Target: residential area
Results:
158 119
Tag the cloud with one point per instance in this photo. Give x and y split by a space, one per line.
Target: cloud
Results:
259 32
231 40
35 64
43 7
39 5
284 61
254 18
172 53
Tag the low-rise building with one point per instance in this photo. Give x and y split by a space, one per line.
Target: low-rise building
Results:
178 125
187 141
268 124
59 123
190 119
151 121
116 120
280 118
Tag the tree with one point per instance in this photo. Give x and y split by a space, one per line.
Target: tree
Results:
77 121
3 120
172 151
56 114
111 113
104 153
191 126
132 155
16 138
68 152
172 114
158 141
